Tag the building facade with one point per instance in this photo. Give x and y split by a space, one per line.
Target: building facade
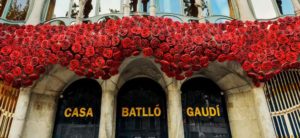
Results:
141 101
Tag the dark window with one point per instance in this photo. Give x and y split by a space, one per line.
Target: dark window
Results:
78 112
141 93
204 111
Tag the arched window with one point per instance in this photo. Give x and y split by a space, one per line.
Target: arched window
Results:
263 9
18 9
2 5
285 7
204 8
62 8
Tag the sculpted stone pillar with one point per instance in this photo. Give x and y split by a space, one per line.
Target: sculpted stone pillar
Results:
152 8
108 104
20 113
174 110
296 5
126 8
263 114
245 10
36 13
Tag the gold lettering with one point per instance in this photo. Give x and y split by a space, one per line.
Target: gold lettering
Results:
189 111
149 112
90 112
138 109
197 111
82 112
67 112
132 112
157 111
75 112
125 111
212 111
144 112
203 113
218 110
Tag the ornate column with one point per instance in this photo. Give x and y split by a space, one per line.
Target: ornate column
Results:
79 17
175 121
126 8
152 8
245 10
263 114
139 5
20 113
296 5
108 104
199 5
36 13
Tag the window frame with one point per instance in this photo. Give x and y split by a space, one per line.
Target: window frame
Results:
275 6
8 6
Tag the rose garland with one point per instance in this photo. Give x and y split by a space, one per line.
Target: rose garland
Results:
96 50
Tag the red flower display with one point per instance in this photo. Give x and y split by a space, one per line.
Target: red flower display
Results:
97 50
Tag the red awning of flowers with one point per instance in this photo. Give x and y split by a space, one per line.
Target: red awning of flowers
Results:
97 50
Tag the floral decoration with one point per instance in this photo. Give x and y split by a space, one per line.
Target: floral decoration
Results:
97 50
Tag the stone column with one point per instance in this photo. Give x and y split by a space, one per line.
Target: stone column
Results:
245 10
174 110
126 8
20 113
296 6
108 104
40 117
152 8
36 13
263 114
80 17
242 114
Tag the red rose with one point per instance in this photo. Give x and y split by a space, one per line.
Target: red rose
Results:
28 69
127 42
164 47
99 62
145 33
76 47
15 55
17 71
107 53
115 41
247 66
198 40
147 51
6 50
185 58
74 64
89 51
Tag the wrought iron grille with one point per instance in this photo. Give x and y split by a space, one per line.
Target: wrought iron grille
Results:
283 97
8 102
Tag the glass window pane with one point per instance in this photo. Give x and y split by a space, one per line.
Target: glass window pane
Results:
220 7
2 5
285 7
263 9
169 6
61 8
18 10
109 6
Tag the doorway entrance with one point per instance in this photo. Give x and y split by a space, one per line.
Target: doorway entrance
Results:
204 110
141 110
78 112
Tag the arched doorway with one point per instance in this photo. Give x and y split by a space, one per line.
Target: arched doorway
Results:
204 110
141 110
78 112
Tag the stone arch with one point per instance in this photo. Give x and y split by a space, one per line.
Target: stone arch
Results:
139 66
